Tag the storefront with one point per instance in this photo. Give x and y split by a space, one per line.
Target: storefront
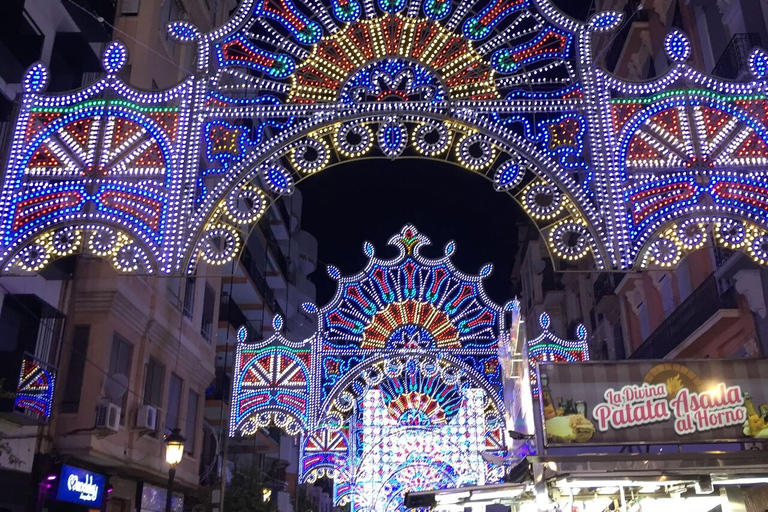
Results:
641 436
75 489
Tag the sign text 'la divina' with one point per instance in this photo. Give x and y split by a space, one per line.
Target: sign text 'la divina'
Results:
635 405
654 402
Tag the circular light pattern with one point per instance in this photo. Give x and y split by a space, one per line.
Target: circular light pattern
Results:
758 63
36 78
353 140
220 244
114 58
475 152
692 234
663 253
451 375
310 155
393 367
345 401
105 241
33 257
677 46
731 233
430 139
508 175
759 249
333 420
429 367
246 204
543 202
278 179
569 240
372 376
392 136
66 241
128 258
606 20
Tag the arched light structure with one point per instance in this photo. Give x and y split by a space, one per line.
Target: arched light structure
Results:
627 175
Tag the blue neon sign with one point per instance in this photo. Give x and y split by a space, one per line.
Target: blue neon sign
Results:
80 486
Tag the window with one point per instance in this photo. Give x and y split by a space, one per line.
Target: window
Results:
667 297
76 369
684 281
120 363
189 297
190 425
174 291
129 7
645 323
169 11
174 403
209 299
153 383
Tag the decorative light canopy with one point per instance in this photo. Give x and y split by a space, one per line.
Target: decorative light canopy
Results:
399 389
548 347
608 170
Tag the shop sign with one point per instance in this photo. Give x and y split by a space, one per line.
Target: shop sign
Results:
687 402
80 486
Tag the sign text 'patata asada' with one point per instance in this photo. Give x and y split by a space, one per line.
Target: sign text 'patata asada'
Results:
635 405
654 402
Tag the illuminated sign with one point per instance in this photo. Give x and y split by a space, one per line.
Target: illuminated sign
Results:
649 402
692 412
80 486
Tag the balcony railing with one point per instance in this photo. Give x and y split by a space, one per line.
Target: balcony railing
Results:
251 267
283 211
700 306
277 252
735 58
605 284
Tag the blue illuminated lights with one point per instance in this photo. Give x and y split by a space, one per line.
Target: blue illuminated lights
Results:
677 46
402 377
606 168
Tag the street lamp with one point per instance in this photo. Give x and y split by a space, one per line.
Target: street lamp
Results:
174 450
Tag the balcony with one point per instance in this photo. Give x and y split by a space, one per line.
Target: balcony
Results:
706 308
734 62
282 227
258 279
277 252
604 290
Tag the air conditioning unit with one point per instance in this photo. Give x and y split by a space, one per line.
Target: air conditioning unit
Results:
146 418
108 417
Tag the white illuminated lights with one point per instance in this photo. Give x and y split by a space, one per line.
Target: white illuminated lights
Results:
288 88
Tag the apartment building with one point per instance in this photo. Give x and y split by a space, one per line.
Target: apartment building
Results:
116 362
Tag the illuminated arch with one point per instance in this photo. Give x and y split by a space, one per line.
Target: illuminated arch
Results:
506 89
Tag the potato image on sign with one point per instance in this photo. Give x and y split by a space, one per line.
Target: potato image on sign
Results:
574 428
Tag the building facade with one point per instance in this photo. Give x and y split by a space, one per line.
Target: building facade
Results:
130 358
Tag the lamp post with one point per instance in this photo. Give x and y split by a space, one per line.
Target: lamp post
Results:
174 450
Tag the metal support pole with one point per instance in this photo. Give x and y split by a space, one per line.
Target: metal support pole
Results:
171 474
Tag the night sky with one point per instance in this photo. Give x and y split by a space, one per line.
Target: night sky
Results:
373 198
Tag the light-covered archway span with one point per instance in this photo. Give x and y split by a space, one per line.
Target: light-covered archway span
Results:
514 75
446 367
546 191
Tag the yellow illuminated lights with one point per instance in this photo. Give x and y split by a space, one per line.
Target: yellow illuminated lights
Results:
335 58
